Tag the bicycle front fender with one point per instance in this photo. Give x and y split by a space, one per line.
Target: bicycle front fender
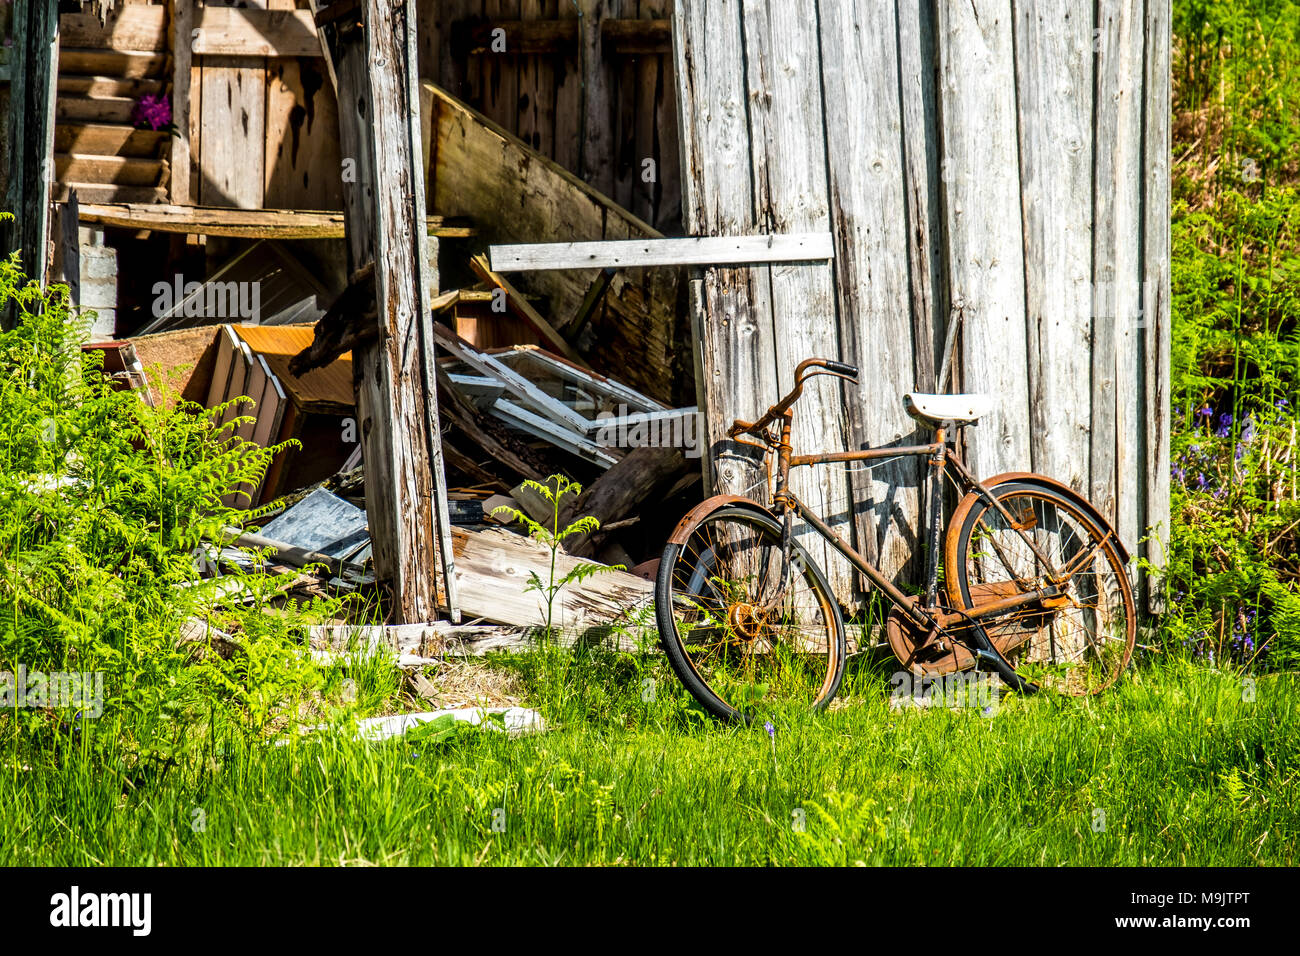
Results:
709 505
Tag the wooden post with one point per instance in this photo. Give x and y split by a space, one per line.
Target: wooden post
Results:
31 135
372 58
180 188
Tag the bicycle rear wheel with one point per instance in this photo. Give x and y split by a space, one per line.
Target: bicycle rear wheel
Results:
1078 644
739 636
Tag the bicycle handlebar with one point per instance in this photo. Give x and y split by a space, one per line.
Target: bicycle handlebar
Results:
802 373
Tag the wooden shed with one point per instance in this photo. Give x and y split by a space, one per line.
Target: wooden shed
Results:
1001 163
998 166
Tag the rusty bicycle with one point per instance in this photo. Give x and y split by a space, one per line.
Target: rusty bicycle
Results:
1034 584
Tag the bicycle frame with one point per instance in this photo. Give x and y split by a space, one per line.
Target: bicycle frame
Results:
928 614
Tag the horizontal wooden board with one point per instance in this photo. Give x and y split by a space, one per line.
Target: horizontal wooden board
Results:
107 140
231 31
136 27
109 170
121 64
106 109
705 251
95 86
107 193
239 223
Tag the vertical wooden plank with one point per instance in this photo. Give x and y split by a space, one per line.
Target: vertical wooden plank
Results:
303 162
194 115
735 348
428 38
182 18
647 75
860 70
919 111
668 192
451 60
782 63
1053 57
981 178
1117 271
500 71
528 69
567 72
598 110
234 129
624 73
1155 291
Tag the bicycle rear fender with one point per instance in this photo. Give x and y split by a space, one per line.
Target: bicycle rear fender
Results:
1029 478
693 517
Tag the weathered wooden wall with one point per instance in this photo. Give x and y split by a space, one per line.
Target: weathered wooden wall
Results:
597 99
262 117
1001 160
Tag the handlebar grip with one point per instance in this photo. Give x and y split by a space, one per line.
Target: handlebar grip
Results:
842 368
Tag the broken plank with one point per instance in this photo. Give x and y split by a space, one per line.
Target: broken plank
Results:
706 251
493 568
285 552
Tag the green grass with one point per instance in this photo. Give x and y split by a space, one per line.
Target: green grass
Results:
1186 770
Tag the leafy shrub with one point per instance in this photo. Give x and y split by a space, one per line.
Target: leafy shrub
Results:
105 505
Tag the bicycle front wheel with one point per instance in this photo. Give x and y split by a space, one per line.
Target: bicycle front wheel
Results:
1076 644
746 630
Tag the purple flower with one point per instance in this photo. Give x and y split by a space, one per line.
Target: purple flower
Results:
1281 403
1205 412
1179 472
1225 425
771 731
152 111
